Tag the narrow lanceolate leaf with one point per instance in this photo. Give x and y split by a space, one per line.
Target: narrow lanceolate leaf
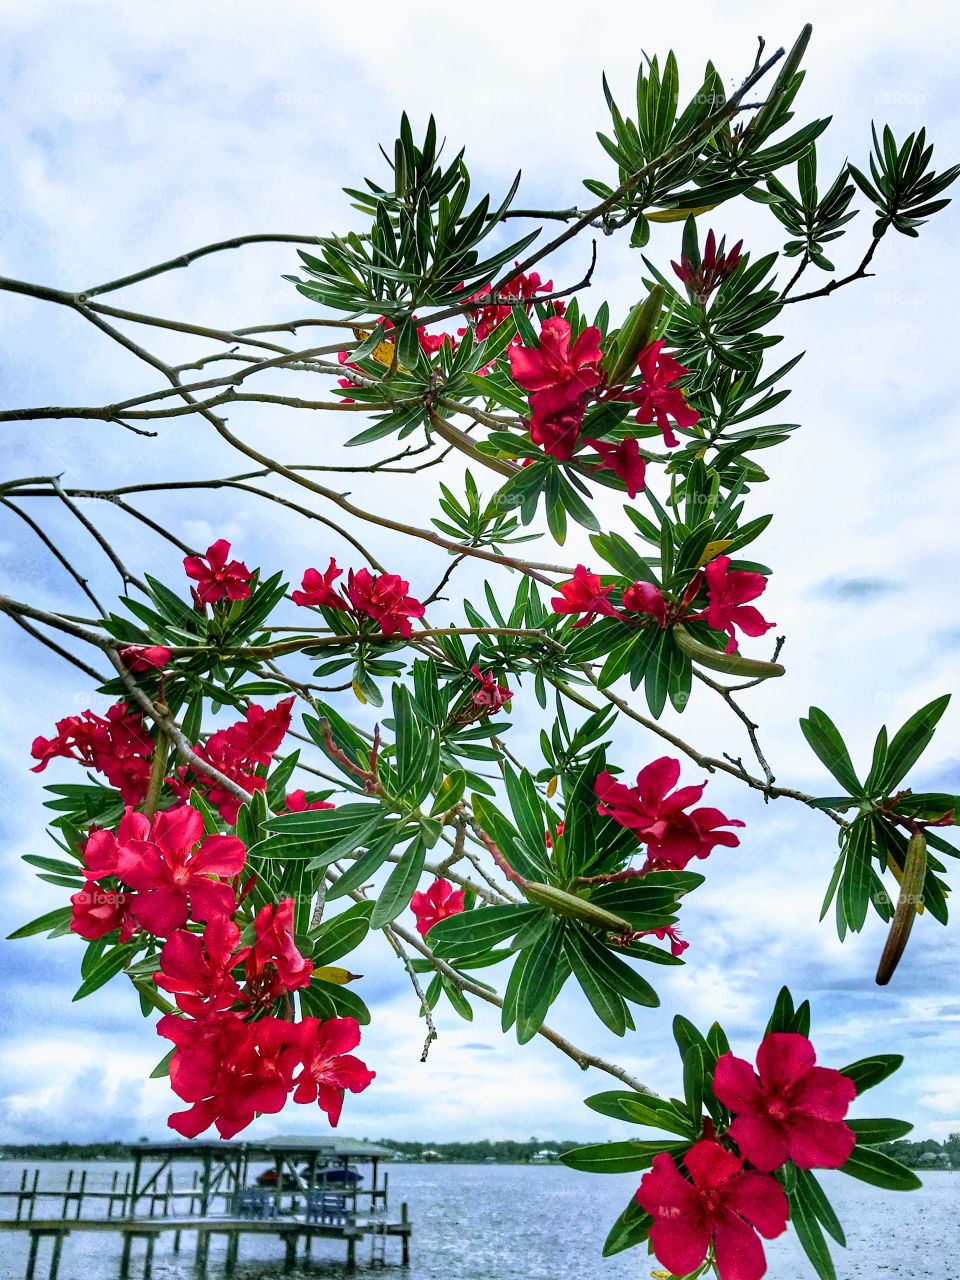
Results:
825 741
619 1157
868 1072
631 1228
880 1171
401 884
871 1133
810 1233
539 982
909 743
42 924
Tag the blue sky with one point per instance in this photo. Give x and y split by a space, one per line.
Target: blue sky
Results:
132 137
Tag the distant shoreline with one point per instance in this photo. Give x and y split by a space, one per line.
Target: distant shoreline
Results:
927 1156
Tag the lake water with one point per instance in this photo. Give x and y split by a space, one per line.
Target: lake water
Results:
475 1222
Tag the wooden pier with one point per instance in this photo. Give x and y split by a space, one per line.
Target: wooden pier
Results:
311 1198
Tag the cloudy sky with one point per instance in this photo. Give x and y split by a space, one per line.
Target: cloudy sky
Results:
135 133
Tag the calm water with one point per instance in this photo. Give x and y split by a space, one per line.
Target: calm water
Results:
474 1222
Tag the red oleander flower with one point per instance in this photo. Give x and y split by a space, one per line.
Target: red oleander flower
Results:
558 362
216 576
328 1068
297 802
116 745
143 657
172 871
555 421
723 1204
236 751
656 397
645 597
713 269
522 288
490 697
198 972
275 964
430 343
101 852
672 836
559 374
678 944
792 1109
384 598
729 590
584 594
228 1069
435 904
97 911
624 460
549 838
318 588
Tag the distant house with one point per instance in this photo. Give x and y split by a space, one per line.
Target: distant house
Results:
544 1156
430 1154
935 1160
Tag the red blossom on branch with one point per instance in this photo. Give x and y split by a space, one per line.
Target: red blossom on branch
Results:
660 820
236 752
384 598
228 1069
729 590
173 871
435 904
723 1205
657 399
491 696
327 1067
585 594
274 964
97 911
559 374
297 802
625 460
143 657
216 576
318 588
789 1108
198 972
714 267
116 745
646 597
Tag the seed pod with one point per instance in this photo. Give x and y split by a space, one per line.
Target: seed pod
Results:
911 887
568 904
731 664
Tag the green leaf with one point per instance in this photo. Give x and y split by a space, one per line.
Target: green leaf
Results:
825 741
619 1157
341 935
868 1072
809 1232
400 885
631 1228
107 966
909 743
43 924
872 1133
880 1171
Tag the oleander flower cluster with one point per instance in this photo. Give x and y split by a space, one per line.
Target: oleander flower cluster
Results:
721 1197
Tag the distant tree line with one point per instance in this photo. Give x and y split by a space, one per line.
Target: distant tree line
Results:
927 1154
